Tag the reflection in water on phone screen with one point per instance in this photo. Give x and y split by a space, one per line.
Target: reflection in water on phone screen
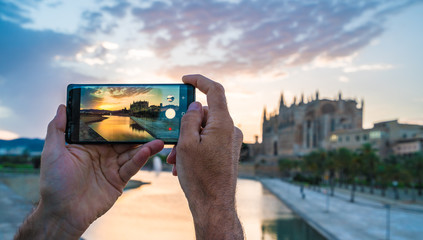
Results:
120 128
135 126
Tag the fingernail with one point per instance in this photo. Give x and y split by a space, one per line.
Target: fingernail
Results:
195 106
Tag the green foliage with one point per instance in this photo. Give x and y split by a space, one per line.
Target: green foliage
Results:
363 166
303 178
285 164
36 162
415 168
16 162
17 165
315 162
244 153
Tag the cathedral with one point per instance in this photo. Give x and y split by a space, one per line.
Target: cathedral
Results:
306 126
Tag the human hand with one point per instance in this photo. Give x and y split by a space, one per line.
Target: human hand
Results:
79 183
206 162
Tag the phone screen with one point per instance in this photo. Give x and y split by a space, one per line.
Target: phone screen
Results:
126 113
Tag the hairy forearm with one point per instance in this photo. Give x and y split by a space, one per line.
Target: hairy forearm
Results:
216 221
41 225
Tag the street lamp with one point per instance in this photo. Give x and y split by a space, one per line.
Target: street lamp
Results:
395 184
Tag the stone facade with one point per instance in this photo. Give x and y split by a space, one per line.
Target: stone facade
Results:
387 138
303 127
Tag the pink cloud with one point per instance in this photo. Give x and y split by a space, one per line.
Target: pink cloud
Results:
272 31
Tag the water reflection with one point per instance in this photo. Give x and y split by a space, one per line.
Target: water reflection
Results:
288 229
160 211
120 128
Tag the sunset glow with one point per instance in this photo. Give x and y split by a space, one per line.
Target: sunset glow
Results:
256 49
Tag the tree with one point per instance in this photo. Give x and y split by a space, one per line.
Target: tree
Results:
244 155
370 161
354 169
383 176
392 170
331 167
415 167
342 159
315 164
285 166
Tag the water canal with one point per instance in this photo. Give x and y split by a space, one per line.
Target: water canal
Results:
120 128
159 211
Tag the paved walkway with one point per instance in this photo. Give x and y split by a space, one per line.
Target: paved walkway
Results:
13 209
337 218
404 196
159 127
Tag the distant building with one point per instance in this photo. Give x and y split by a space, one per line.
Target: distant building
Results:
355 139
303 127
19 150
138 106
408 147
388 138
3 151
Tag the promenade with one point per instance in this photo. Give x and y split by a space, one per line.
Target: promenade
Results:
163 128
337 218
13 210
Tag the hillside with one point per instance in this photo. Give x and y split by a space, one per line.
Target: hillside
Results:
30 144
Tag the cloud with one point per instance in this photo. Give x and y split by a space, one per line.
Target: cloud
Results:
343 79
7 135
97 54
115 92
32 83
119 10
368 68
138 54
257 36
5 112
11 12
94 22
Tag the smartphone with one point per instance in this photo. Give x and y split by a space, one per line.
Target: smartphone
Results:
126 113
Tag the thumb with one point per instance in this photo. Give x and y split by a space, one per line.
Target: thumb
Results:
191 123
56 130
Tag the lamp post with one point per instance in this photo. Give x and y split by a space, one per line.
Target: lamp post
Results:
388 221
302 191
327 193
395 184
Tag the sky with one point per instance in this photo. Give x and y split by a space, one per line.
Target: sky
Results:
257 49
118 98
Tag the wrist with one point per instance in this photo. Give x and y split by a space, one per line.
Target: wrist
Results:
44 224
216 221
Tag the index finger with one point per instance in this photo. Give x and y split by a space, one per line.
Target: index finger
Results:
216 99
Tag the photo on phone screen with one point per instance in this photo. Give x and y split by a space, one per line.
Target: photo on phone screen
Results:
126 113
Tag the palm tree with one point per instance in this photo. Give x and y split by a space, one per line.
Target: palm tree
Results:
355 168
370 160
285 167
415 168
315 164
331 167
342 159
383 176
392 170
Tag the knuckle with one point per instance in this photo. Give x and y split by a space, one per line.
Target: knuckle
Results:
224 124
190 116
218 88
238 134
229 124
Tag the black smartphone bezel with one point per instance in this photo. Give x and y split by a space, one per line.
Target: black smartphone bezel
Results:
72 112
